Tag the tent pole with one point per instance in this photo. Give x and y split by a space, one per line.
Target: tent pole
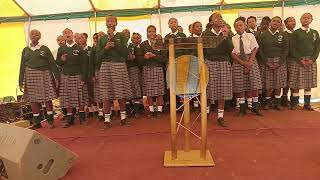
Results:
95 22
282 9
29 27
159 17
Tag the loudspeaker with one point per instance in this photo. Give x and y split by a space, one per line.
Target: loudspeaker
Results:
27 155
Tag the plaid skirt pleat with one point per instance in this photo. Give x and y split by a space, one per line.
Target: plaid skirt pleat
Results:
90 88
275 79
39 86
135 80
96 89
153 81
220 80
114 82
303 77
71 91
262 69
85 93
245 82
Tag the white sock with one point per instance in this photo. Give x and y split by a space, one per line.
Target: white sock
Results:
220 113
69 114
100 112
277 97
255 99
159 108
107 117
137 102
151 109
208 109
249 101
307 93
196 104
237 103
268 97
242 101
123 115
49 112
36 115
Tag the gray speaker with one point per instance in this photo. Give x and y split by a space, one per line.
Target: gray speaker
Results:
27 155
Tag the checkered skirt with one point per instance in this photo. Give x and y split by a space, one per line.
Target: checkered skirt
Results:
71 92
114 82
303 77
39 86
96 87
274 79
90 88
220 80
135 80
245 82
153 81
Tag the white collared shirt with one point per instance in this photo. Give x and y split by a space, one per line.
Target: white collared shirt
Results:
70 45
38 46
249 43
149 42
215 32
85 48
305 29
253 30
174 33
277 31
194 35
288 31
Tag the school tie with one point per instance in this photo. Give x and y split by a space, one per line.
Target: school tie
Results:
242 53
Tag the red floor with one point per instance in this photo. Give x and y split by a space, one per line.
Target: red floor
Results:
279 146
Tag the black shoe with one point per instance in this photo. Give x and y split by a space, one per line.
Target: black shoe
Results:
70 121
308 107
96 114
124 122
106 125
221 122
243 109
284 101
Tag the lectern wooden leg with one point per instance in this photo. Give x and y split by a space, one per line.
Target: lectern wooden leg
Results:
186 124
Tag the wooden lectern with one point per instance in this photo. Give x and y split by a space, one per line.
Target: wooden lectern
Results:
188 157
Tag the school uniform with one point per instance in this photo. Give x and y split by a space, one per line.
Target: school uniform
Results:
73 71
38 74
114 82
306 45
242 82
274 48
88 88
220 71
252 80
153 82
134 71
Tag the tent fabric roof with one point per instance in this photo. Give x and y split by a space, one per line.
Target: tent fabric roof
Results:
21 10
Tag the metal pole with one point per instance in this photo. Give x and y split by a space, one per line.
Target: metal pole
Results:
29 27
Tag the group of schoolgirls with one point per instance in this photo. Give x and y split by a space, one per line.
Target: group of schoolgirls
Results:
253 65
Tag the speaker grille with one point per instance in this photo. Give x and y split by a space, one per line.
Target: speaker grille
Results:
3 172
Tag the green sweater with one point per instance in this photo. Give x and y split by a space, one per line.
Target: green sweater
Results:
177 52
118 53
306 44
271 46
133 48
159 60
291 40
40 59
88 53
221 52
76 63
94 65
